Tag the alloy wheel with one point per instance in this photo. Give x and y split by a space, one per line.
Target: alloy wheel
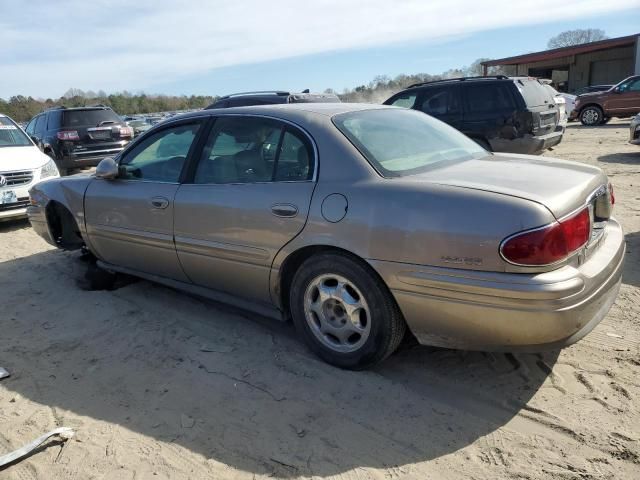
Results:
337 313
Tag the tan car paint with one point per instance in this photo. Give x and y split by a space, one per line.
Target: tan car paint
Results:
433 238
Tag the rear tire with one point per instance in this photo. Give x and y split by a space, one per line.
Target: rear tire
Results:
344 312
591 116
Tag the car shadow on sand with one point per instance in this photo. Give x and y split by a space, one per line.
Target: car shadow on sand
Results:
14 225
629 158
242 391
631 272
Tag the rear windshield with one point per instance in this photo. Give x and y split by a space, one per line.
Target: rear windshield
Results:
534 93
399 142
89 118
11 135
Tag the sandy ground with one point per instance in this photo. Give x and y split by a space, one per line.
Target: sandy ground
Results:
161 385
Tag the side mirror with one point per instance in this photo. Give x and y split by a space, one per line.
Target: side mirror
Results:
617 90
107 169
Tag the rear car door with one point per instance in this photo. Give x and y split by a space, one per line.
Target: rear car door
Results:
443 103
249 196
130 219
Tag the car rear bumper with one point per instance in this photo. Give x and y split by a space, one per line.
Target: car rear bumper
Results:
528 144
88 158
472 310
13 214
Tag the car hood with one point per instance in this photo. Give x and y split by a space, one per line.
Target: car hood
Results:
559 185
21 158
590 95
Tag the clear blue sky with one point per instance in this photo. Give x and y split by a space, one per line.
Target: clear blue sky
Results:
340 69
163 46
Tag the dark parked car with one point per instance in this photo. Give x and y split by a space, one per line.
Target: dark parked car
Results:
622 100
503 114
79 137
271 98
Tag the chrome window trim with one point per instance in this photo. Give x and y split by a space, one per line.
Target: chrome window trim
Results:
592 196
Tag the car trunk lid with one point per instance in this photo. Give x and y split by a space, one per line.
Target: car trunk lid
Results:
561 186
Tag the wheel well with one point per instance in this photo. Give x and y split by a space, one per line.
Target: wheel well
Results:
294 260
63 227
582 107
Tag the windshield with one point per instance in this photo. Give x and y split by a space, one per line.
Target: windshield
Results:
11 135
89 118
400 142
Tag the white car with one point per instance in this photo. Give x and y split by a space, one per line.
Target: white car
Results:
22 165
560 101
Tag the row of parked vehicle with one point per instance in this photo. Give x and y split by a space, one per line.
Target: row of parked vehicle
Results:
359 222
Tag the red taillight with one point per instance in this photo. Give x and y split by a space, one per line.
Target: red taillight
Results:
126 131
68 135
549 244
611 194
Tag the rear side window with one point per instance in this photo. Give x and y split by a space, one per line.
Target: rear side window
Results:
533 92
488 97
253 149
89 118
53 119
439 101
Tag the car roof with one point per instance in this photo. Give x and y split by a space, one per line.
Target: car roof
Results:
290 111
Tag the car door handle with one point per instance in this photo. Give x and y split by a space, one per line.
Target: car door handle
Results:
284 210
159 202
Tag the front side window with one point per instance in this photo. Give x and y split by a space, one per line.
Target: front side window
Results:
630 86
405 142
405 100
161 156
40 121
251 150
11 135
31 126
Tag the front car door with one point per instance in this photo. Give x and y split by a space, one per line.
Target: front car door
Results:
130 219
625 101
249 195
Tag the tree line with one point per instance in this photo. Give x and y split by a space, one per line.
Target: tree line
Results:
22 108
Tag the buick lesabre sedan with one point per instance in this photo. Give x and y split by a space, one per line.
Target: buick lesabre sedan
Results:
358 222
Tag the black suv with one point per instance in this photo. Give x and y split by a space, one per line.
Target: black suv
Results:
503 114
272 97
79 137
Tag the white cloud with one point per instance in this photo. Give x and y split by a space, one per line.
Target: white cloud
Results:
46 47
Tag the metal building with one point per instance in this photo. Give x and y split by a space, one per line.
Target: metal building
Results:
603 62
